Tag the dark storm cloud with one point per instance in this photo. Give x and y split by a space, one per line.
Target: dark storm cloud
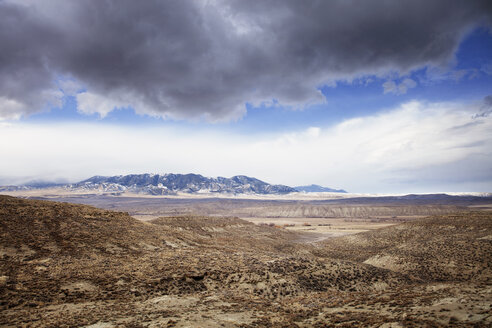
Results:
207 58
25 45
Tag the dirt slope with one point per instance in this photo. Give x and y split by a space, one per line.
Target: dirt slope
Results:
441 248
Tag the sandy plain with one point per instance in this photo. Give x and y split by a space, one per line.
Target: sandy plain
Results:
322 228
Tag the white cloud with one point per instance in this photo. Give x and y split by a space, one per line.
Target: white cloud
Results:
69 87
90 103
399 88
415 147
13 109
313 132
434 74
487 68
10 108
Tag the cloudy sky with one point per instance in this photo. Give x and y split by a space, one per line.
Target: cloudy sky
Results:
369 96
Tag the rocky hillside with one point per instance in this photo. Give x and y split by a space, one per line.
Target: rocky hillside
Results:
441 248
64 265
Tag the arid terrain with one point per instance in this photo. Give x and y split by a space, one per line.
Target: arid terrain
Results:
67 265
318 215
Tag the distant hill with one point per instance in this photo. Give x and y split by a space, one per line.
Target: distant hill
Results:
412 199
317 188
156 184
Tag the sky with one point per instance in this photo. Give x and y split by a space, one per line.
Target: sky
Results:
368 96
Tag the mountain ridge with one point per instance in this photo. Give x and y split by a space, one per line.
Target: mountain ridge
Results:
170 183
317 188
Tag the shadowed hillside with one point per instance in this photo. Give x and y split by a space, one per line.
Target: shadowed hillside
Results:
74 265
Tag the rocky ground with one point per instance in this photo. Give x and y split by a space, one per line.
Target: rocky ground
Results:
70 265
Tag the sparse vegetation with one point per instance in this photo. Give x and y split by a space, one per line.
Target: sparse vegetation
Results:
74 265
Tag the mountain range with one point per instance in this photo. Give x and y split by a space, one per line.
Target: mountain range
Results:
156 184
169 184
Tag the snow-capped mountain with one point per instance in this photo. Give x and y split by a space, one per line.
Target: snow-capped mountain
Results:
156 184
